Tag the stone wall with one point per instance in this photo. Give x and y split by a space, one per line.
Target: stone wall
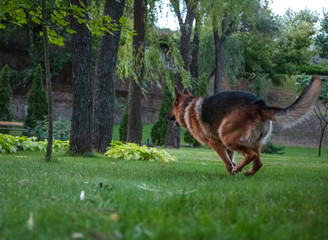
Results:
63 102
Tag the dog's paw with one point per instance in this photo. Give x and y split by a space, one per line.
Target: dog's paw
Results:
235 170
249 173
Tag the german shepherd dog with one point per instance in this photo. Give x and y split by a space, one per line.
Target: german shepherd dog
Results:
238 121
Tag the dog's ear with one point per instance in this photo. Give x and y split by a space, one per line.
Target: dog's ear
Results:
177 92
185 91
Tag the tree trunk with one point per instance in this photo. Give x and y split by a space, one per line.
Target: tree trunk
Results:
321 138
82 86
134 122
134 118
48 82
218 42
104 92
172 138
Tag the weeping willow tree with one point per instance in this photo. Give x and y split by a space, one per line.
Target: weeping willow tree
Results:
146 69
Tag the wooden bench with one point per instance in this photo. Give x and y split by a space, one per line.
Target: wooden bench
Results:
4 125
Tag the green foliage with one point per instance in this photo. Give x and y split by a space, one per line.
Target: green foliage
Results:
259 83
292 49
322 36
158 131
12 144
24 12
270 148
5 95
304 80
178 62
61 129
313 69
123 130
132 151
37 101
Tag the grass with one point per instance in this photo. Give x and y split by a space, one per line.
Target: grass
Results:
191 199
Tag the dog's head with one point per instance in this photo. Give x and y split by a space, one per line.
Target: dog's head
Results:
177 112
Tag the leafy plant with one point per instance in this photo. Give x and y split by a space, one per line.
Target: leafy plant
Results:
12 144
132 151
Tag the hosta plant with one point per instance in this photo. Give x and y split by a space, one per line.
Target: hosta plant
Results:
132 151
12 144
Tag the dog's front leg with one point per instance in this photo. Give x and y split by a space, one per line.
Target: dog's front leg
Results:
224 153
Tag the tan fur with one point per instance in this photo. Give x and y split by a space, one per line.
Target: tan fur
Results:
244 129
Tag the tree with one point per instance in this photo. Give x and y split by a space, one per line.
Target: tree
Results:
292 48
135 94
194 71
172 138
48 81
322 37
82 83
37 101
186 30
225 17
104 92
5 95
52 20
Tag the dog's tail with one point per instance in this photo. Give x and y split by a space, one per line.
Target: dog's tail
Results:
299 110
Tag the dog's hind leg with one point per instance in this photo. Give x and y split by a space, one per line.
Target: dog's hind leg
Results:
224 153
249 155
257 164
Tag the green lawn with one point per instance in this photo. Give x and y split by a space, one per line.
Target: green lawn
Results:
191 199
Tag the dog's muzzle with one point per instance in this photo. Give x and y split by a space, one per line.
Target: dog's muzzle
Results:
171 118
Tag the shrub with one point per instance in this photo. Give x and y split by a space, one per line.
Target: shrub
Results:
37 101
132 151
61 129
158 131
188 138
272 149
5 95
123 130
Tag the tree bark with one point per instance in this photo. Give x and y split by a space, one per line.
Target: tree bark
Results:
134 120
80 142
218 42
48 82
104 92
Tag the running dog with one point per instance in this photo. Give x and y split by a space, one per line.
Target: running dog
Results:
238 121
